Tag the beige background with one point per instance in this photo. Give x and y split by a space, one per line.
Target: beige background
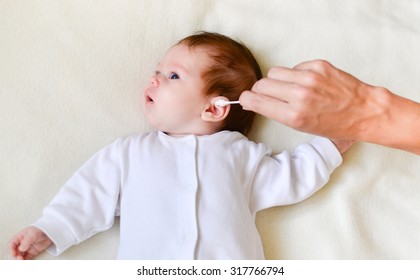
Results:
71 76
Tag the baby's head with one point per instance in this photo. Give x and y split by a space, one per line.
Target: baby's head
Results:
200 69
234 70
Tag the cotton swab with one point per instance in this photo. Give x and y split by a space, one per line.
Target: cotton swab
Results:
223 102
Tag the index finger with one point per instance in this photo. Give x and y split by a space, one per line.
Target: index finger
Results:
267 106
276 89
284 74
318 66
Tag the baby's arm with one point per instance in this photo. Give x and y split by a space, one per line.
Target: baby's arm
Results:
28 243
291 177
85 205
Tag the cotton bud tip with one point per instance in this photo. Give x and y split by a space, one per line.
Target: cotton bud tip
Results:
223 102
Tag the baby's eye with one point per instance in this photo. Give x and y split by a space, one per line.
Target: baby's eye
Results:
173 76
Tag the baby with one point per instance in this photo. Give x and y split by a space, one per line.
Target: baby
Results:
191 188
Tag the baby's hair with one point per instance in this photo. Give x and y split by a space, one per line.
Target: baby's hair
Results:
234 70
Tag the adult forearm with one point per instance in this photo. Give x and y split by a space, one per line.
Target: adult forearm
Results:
391 120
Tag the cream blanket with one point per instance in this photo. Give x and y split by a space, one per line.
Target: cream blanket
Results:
72 73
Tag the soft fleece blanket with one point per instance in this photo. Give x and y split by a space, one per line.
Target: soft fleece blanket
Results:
72 73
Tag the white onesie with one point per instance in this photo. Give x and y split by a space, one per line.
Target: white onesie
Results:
193 197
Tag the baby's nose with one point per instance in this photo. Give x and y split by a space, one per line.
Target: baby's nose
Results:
154 82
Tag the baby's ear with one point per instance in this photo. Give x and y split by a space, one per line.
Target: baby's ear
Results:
213 113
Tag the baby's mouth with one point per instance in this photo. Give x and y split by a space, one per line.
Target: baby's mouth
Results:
148 96
148 99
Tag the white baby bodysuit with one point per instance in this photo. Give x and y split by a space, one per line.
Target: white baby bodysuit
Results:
192 197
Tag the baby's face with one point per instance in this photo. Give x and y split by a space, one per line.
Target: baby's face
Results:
174 99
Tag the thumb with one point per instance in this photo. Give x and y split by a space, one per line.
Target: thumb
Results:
26 242
247 100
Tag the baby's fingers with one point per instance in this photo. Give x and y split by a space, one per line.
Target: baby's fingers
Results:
14 244
26 241
22 242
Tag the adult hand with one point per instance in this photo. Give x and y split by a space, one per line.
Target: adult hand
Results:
313 97
317 98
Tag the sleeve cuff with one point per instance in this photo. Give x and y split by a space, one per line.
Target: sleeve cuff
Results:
58 233
329 152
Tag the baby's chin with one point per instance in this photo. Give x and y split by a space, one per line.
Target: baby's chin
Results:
164 129
175 134
178 130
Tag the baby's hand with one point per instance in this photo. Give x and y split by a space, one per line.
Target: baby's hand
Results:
28 243
343 145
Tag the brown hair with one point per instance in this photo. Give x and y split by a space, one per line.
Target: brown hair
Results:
234 70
